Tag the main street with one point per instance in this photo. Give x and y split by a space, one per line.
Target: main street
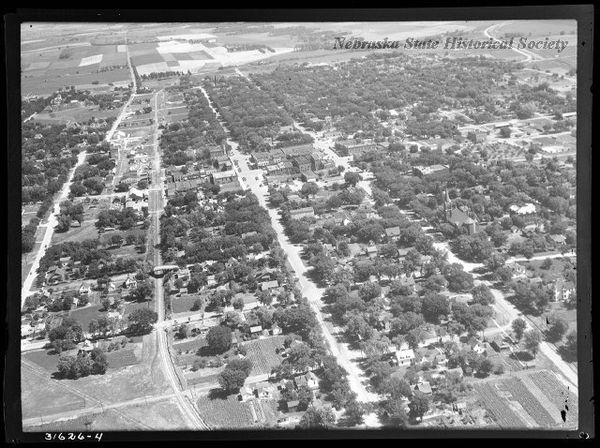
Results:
155 208
253 181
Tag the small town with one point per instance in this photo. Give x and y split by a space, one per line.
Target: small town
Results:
253 242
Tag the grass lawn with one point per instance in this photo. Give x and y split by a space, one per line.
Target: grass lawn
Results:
121 358
86 314
183 304
555 271
87 231
189 345
43 359
261 352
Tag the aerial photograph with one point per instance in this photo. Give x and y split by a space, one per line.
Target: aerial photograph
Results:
298 225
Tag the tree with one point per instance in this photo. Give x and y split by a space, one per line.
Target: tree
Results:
141 320
99 361
232 379
569 350
505 132
532 341
352 178
141 292
458 279
369 291
354 413
485 367
434 306
557 329
418 405
518 326
317 418
482 295
309 189
219 339
394 413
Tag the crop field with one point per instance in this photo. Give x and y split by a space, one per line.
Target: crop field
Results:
498 407
261 352
558 394
226 413
46 82
529 402
540 395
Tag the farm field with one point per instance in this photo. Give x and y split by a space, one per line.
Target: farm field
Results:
261 352
77 114
226 413
528 399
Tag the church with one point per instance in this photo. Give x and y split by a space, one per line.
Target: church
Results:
460 217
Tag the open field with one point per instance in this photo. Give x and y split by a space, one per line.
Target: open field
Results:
108 420
40 396
79 114
261 352
121 358
87 231
46 82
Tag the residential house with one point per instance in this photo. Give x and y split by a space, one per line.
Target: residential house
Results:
424 387
392 232
302 213
266 286
292 405
309 380
499 344
405 356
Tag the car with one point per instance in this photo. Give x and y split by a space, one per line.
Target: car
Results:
256 178
243 178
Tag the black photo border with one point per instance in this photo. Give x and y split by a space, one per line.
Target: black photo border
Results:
584 14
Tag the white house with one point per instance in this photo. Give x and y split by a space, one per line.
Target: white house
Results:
405 356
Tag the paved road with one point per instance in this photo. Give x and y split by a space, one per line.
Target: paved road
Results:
309 289
529 56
